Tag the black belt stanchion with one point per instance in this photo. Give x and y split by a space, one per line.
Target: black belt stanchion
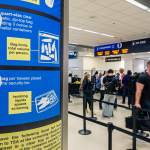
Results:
110 130
84 131
134 127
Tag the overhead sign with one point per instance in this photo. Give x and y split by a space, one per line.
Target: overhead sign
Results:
51 7
137 46
109 47
113 59
28 40
29 96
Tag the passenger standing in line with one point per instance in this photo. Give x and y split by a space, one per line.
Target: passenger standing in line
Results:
102 89
98 82
142 98
87 91
110 84
134 80
81 85
93 80
122 74
127 87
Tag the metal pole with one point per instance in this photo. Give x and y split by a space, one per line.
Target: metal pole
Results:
84 114
110 129
134 127
84 131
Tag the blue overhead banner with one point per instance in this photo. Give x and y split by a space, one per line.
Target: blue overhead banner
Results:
28 39
28 96
136 46
51 7
108 47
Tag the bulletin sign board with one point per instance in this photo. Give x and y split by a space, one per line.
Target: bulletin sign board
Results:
31 54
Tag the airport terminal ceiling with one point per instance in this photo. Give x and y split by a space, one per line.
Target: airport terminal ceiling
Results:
96 22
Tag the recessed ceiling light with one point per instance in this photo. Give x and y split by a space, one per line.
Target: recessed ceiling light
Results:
90 31
138 4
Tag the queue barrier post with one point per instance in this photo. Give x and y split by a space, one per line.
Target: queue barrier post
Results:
134 127
110 130
84 131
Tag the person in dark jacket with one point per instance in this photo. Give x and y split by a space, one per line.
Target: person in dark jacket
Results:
127 87
87 91
94 81
110 84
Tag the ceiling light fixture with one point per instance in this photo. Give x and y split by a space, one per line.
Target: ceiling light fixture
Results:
148 10
75 28
89 31
138 4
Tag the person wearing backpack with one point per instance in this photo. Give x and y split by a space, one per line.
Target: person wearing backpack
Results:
110 83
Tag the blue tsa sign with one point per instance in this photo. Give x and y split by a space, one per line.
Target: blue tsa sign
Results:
114 46
29 96
51 7
28 39
48 48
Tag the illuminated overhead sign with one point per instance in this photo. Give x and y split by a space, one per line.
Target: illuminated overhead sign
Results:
137 46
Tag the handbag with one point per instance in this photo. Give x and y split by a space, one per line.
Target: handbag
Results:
142 121
129 123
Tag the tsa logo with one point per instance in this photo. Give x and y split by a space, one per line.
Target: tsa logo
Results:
119 45
48 48
50 3
46 101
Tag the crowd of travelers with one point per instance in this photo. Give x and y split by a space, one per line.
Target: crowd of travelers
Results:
109 85
135 87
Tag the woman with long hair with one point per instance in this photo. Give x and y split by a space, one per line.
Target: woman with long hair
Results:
87 91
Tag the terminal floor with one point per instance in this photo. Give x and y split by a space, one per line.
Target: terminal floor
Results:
98 139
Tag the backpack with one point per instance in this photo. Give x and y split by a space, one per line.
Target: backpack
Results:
110 84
